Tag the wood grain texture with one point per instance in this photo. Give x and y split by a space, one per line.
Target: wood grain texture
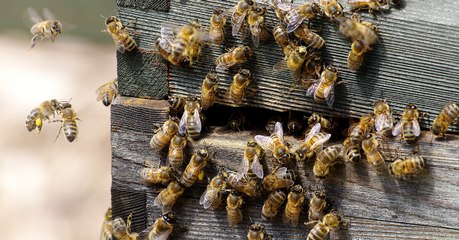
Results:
160 5
415 61
377 206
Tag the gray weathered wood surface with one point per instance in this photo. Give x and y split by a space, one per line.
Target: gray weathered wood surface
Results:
377 206
416 60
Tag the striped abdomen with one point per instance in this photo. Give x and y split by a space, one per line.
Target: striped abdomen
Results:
191 127
414 165
319 232
407 132
375 159
234 215
177 51
128 42
160 140
34 120
175 157
328 155
445 118
70 129
352 153
272 204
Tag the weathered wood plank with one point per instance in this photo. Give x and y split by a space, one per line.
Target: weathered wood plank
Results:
415 61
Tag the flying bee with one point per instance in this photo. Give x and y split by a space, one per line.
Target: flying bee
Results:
357 30
272 204
407 166
123 41
249 187
196 40
275 144
164 134
106 230
370 148
162 227
297 13
371 5
313 142
279 178
107 92
69 125
42 29
281 37
325 160
355 56
255 20
152 175
384 120
237 121
185 46
251 166
237 55
212 196
176 154
177 104
323 90
190 122
293 62
209 90
194 168
239 13
168 196
42 112
122 230
326 124
217 24
359 130
234 202
295 122
331 8
292 210
240 82
314 40
257 232
444 119
351 151
408 126
328 224
317 205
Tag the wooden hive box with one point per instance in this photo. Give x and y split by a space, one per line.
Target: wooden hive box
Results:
417 60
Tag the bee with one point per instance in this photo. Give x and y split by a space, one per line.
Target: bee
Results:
177 104
272 204
297 13
279 12
42 29
176 154
358 31
323 90
190 122
217 24
294 123
124 42
317 205
42 112
237 55
107 92
240 11
164 45
234 202
162 227
257 232
236 121
151 175
325 160
331 8
293 62
359 130
69 125
209 90
185 46
313 141
279 178
194 168
255 20
212 196
355 56
311 70
384 120
281 37
370 148
249 187
408 126
251 166
122 230
371 5
271 123
444 119
351 151
106 230
164 134
168 196
275 144
328 224
240 82
326 124
292 210
311 38
407 166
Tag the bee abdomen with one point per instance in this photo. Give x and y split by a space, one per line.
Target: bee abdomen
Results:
70 130
415 165
234 216
319 232
175 158
354 61
376 160
159 141
31 119
353 154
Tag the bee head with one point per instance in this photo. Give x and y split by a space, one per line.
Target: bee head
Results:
256 227
202 155
169 218
245 73
299 155
57 27
411 106
213 77
435 129
331 68
252 143
111 19
218 11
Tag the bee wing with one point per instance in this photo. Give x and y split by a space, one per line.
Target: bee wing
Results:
208 197
314 130
280 66
281 172
197 119
167 33
106 235
255 30
237 25
48 14
397 129
159 203
182 123
416 128
379 121
320 142
279 131
312 89
100 91
257 168
33 15
285 6
265 142
244 168
330 93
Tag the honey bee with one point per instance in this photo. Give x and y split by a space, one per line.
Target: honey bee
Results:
106 230
407 166
251 166
217 24
297 13
249 187
240 11
272 204
209 90
212 196
234 202
279 178
444 119
168 196
237 55
295 122
69 125
42 29
371 5
311 70
370 148
355 56
384 120
122 230
190 122
323 90
176 154
271 123
311 38
293 61
107 92
164 45
359 130
240 82
124 42
257 232
313 142
351 151
162 227
194 168
177 104
331 8
164 134
275 144
408 126
42 112
356 30
185 46
281 37
329 223
325 160
152 175
292 210
326 125
279 12
317 205
236 121
255 20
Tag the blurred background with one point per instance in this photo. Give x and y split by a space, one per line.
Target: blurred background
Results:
55 190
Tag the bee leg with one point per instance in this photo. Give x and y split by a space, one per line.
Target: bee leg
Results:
33 41
311 222
58 133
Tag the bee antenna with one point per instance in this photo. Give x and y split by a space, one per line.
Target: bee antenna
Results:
102 16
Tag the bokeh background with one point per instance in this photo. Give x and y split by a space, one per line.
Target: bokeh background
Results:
55 190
